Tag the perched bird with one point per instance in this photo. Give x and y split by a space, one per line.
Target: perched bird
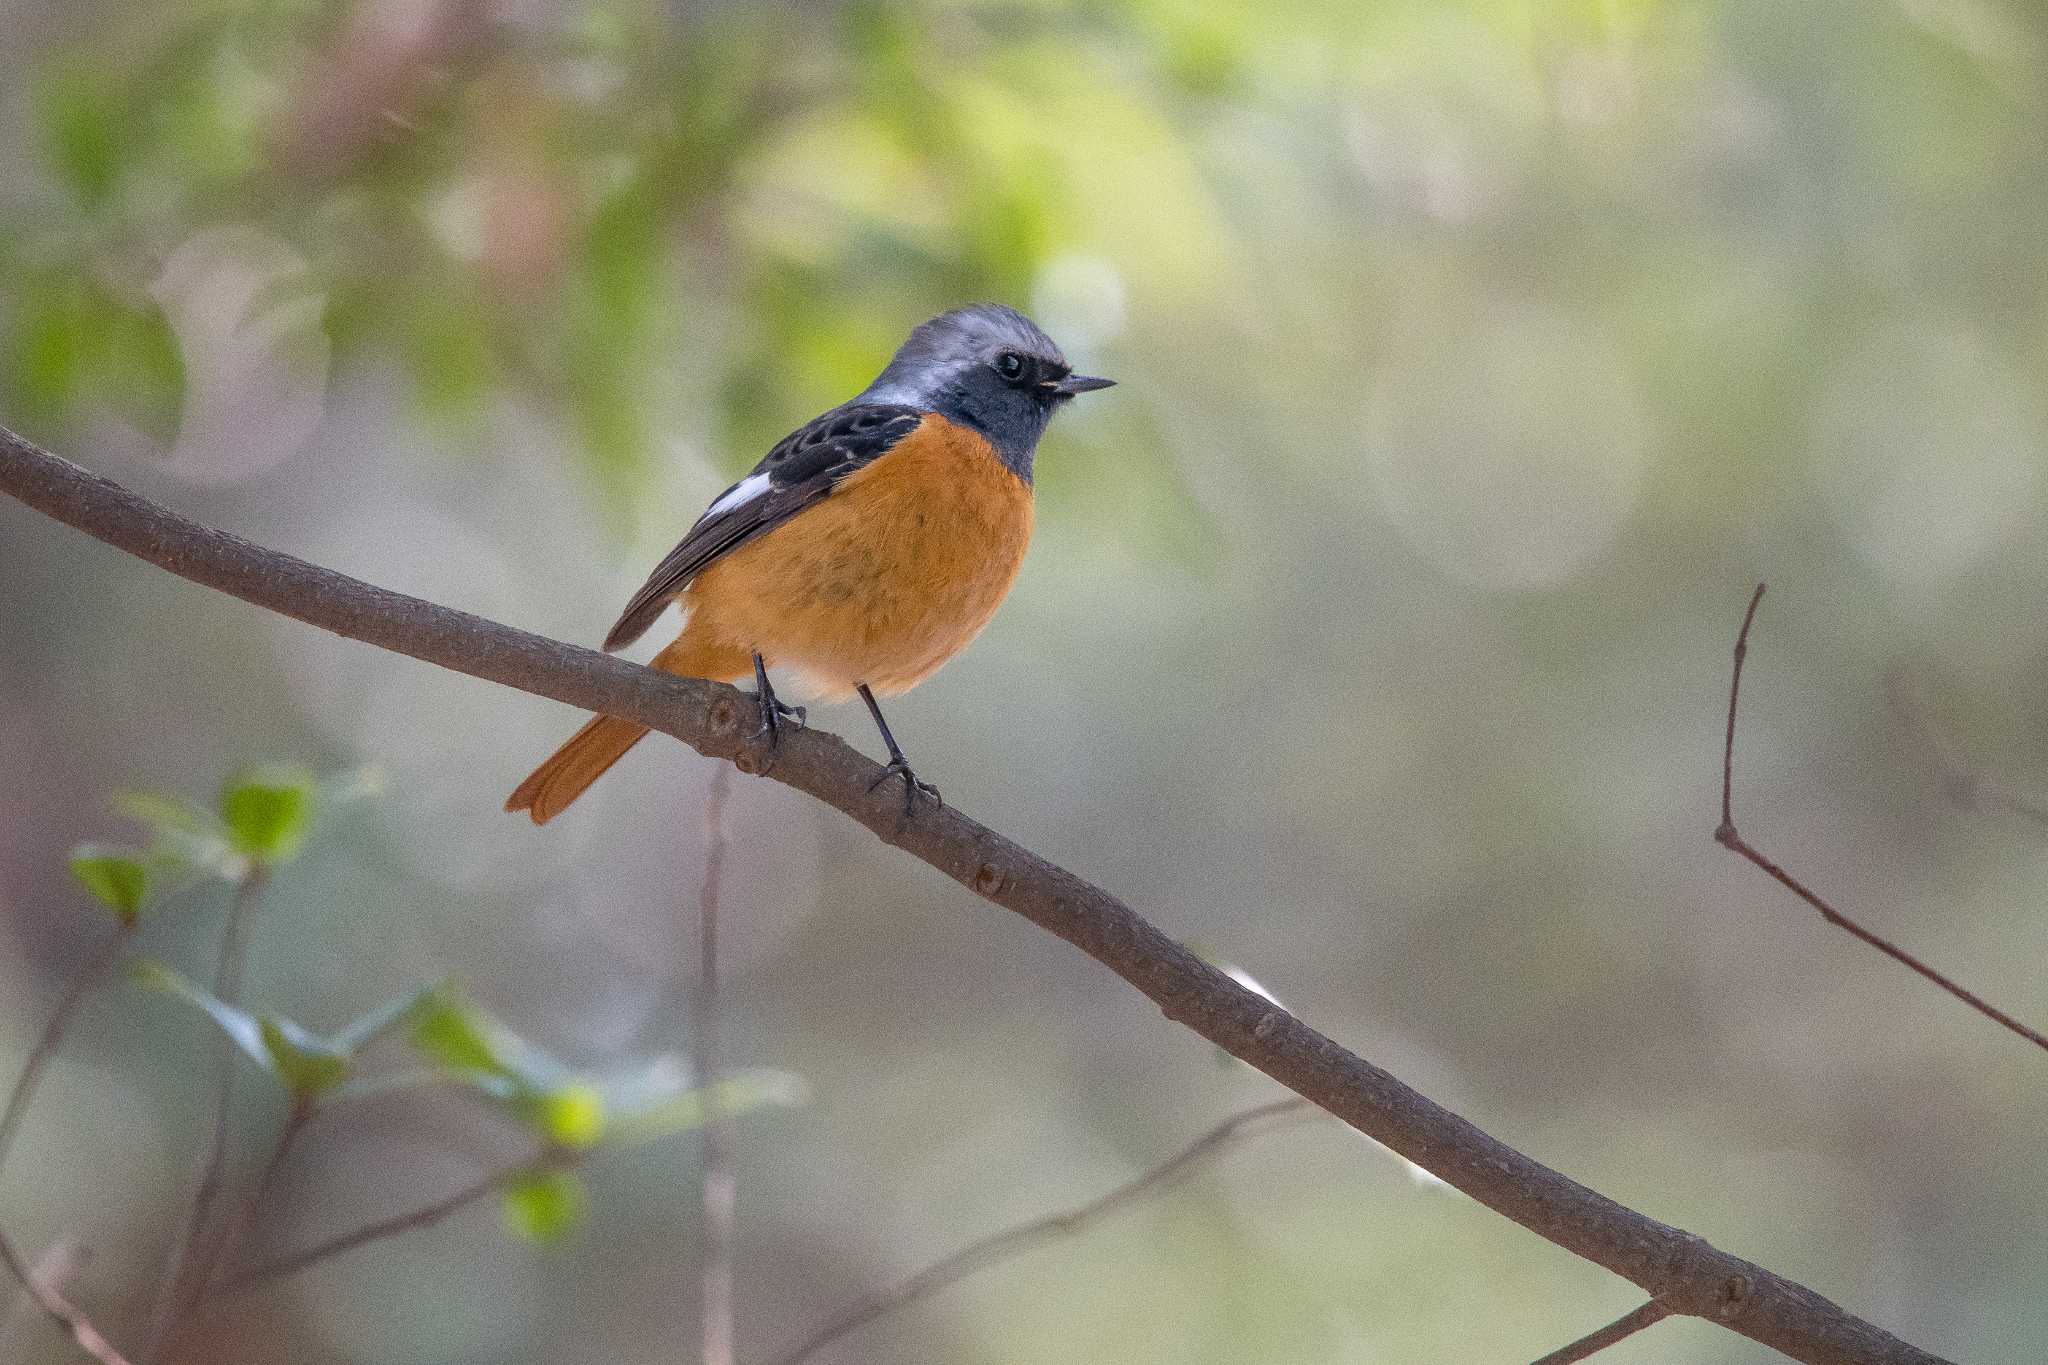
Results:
869 547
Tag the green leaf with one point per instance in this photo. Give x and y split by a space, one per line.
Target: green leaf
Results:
79 115
735 1093
353 1037
163 812
350 784
567 1116
184 832
577 1111
142 370
307 1065
469 1044
76 340
565 1109
455 1037
268 814
239 1025
116 877
545 1206
303 1062
53 343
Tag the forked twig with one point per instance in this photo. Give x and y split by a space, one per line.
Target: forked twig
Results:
1013 1242
184 1282
1620 1329
41 1289
426 1215
230 1245
1729 838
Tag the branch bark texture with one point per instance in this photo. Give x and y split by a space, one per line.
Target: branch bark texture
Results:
1676 1268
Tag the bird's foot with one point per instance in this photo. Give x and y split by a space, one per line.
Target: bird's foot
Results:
774 717
913 786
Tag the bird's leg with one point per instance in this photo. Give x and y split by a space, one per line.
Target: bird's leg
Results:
773 712
899 766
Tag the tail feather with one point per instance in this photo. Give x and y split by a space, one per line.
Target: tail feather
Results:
591 751
573 767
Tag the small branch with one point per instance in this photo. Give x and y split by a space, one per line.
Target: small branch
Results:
41 1289
1620 1328
89 977
1682 1270
258 1276
1964 783
60 1264
718 1190
1007 1245
1731 839
185 1282
68 1318
228 1247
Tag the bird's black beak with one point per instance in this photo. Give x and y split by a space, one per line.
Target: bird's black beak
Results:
1078 383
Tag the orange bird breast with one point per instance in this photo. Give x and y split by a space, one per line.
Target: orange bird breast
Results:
879 583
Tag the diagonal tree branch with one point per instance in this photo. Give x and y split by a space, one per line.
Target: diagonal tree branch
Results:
1729 838
1679 1269
1012 1242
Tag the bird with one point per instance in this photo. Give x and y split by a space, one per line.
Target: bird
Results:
869 546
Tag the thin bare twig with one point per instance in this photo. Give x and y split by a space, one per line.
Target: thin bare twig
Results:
43 1291
719 1190
230 1246
89 976
74 1323
1016 1241
268 1272
1729 838
61 1262
1622 1327
1964 784
1681 1270
182 1286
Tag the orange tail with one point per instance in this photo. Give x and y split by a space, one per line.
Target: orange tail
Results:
574 766
590 753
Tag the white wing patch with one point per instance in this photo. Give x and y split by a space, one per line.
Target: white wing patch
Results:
745 491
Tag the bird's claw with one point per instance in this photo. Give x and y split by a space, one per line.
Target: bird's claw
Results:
775 715
913 785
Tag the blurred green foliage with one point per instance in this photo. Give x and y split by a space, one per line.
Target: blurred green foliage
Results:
1493 347
715 220
518 205
116 877
264 817
267 814
545 1206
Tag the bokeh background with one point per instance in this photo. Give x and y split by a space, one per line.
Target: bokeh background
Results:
1477 357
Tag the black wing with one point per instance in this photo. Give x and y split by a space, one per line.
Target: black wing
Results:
805 466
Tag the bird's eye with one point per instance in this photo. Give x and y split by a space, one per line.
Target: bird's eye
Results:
1010 365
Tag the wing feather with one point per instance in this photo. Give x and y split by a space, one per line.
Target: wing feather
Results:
804 467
